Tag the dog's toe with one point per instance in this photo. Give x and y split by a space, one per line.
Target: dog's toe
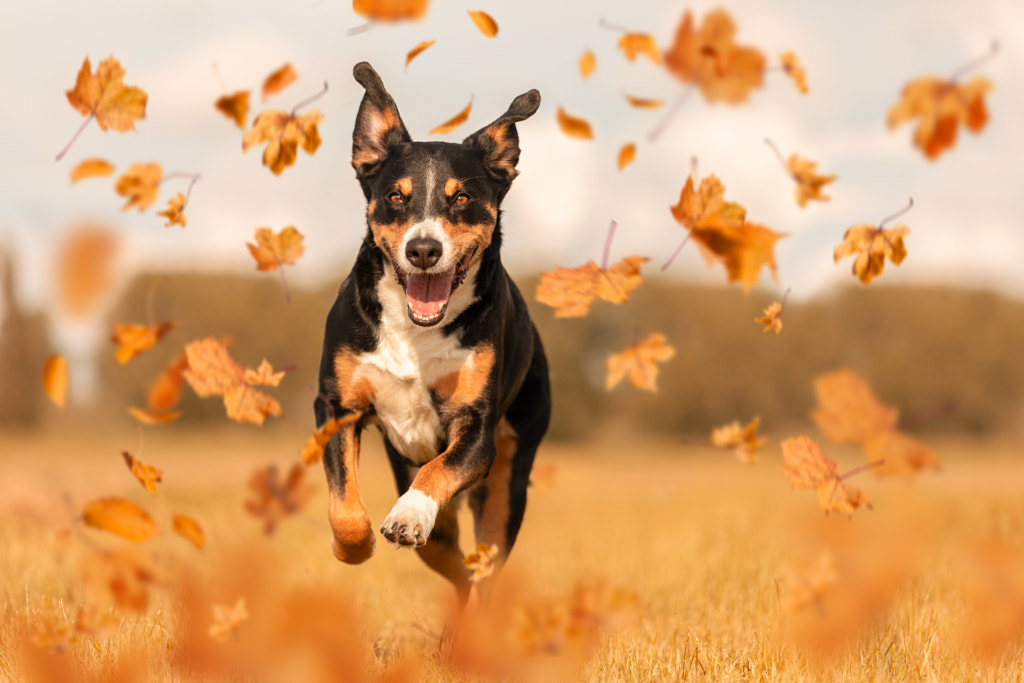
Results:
411 520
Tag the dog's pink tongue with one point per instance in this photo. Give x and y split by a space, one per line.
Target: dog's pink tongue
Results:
426 294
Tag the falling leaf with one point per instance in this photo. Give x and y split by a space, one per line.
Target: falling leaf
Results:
481 563
573 126
126 574
848 411
941 106
283 133
313 449
587 64
636 44
212 372
454 122
626 155
279 80
55 379
140 184
165 390
85 270
709 58
235 107
772 318
806 585
104 96
415 52
903 456
390 10
276 499
190 530
226 621
276 249
147 475
134 339
639 362
121 517
91 168
264 376
149 417
487 25
643 103
570 291
806 466
872 245
791 65
175 212
808 181
743 441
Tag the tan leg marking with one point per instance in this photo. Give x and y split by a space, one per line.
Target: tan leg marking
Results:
494 517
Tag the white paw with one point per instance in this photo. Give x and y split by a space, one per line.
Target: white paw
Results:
411 520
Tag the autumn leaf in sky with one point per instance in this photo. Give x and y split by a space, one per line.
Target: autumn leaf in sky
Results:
165 391
485 22
903 455
709 57
212 372
741 440
189 529
313 449
275 498
104 96
848 411
626 155
806 585
150 417
804 171
121 517
570 291
573 126
276 249
587 64
791 65
771 318
175 211
140 184
85 269
55 379
284 133
872 245
147 475
454 122
390 10
91 168
635 44
134 339
234 106
639 362
806 466
278 80
643 102
263 376
416 51
481 562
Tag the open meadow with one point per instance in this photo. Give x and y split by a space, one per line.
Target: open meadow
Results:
637 561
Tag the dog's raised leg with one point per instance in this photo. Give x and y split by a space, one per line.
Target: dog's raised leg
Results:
353 541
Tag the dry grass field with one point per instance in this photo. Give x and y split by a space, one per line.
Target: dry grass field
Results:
637 562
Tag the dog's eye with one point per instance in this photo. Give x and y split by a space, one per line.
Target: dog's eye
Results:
396 198
461 198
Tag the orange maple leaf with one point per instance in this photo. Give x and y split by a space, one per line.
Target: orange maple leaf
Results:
481 563
635 44
149 417
134 339
126 574
264 375
283 133
234 106
415 52
485 22
772 318
165 390
212 372
570 291
626 155
941 106
454 122
872 245
55 379
189 528
848 411
573 126
806 585
105 97
808 181
175 211
279 80
791 65
121 517
741 440
806 466
275 499
147 475
639 362
710 58
140 184
85 269
91 168
643 102
390 10
587 64
273 250
313 449
903 456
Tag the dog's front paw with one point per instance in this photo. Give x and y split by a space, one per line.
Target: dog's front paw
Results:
411 520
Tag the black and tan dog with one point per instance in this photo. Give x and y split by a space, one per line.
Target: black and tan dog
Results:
430 341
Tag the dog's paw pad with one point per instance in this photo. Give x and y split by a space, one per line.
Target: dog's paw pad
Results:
411 520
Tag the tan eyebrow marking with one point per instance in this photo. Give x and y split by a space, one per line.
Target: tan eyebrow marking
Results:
452 186
404 185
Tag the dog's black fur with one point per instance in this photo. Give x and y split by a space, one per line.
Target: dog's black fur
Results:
430 340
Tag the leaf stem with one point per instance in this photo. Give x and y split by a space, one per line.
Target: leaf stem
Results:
60 154
672 110
993 50
676 252
310 100
863 468
362 28
604 23
778 155
284 282
216 72
899 213
608 244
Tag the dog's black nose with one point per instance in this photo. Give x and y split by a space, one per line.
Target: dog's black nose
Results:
423 252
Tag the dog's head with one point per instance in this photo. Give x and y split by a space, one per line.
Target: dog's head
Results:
432 206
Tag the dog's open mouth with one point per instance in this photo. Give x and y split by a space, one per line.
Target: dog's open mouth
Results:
427 294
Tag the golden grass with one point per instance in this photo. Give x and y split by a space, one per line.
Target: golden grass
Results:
708 545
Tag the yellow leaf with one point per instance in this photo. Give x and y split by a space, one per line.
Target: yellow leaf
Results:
771 319
140 184
276 249
635 44
105 96
283 133
793 69
570 291
743 441
639 362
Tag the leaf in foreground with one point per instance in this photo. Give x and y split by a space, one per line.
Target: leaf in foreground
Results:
212 372
635 44
390 10
570 291
741 440
626 155
587 64
848 411
791 65
274 498
808 181
416 51
85 269
481 563
55 379
639 362
121 517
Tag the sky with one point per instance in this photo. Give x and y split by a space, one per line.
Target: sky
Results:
966 226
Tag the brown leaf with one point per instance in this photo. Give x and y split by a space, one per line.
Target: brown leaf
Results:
283 133
640 363
587 64
147 475
415 52
55 379
570 291
274 249
133 339
454 122
190 530
279 80
941 106
573 126
235 107
743 441
772 318
636 44
121 517
487 25
175 211
105 96
140 184
872 245
791 65
275 499
626 155
808 181
91 168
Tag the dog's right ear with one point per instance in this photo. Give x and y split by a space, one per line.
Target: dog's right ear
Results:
378 125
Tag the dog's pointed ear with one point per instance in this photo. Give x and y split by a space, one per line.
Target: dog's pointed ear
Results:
378 125
499 142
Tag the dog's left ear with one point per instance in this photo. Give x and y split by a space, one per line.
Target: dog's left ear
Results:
499 142
378 125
